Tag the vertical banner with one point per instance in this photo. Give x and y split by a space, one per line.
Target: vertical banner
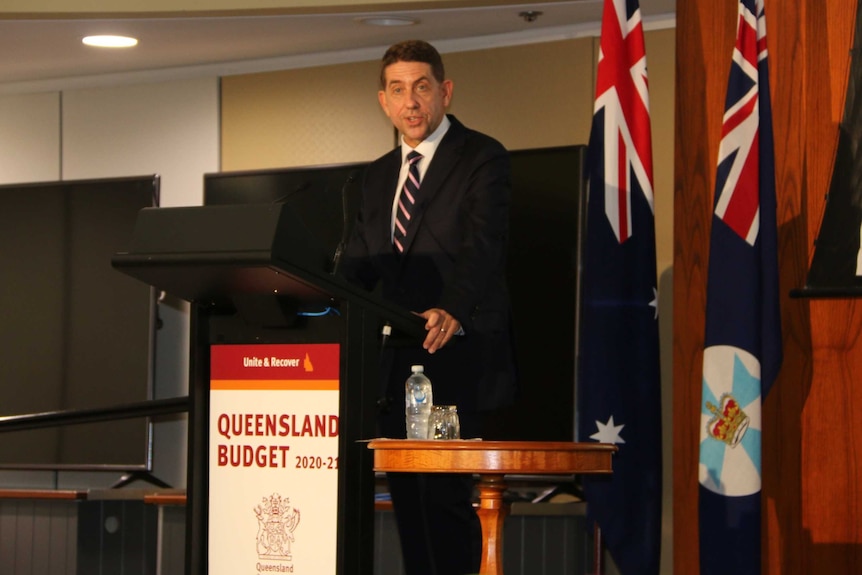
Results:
273 459
619 384
742 346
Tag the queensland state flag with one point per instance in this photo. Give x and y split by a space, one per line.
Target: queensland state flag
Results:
619 394
742 348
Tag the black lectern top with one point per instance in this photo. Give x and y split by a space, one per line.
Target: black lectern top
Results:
214 253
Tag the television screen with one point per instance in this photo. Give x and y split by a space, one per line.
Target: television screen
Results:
75 333
544 243
324 197
547 195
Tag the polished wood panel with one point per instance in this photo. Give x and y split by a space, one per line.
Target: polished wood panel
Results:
165 498
472 456
491 460
810 491
42 494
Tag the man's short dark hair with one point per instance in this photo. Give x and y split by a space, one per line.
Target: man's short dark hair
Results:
412 51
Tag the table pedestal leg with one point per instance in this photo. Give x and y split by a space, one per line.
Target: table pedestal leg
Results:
492 511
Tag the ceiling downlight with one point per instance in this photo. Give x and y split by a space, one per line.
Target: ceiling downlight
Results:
108 41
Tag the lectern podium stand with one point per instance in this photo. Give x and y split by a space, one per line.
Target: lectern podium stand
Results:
283 384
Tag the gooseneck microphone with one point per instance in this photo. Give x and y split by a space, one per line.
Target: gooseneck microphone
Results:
345 225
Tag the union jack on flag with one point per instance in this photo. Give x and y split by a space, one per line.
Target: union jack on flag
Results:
739 151
742 347
622 91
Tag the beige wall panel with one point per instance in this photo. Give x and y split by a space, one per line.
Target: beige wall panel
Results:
527 96
661 57
326 115
530 96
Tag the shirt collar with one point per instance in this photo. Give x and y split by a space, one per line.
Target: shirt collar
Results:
428 146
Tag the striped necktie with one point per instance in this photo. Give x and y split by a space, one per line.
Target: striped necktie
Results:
407 201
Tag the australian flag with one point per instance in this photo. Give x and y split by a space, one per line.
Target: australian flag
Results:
619 394
742 348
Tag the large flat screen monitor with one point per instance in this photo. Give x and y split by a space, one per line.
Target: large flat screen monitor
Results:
325 198
75 333
547 196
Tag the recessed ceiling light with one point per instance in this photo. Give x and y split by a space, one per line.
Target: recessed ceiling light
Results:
387 21
110 41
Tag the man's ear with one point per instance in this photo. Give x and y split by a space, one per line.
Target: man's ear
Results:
381 97
447 86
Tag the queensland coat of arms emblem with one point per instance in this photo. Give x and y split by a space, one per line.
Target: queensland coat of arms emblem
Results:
276 522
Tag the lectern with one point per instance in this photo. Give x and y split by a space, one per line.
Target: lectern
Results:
283 382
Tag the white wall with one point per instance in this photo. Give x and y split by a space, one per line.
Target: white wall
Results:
168 128
29 138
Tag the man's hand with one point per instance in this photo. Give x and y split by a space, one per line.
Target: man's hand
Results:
441 327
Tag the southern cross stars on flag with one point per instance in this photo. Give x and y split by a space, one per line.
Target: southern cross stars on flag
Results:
608 432
622 90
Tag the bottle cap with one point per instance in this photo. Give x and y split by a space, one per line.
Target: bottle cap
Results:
415 368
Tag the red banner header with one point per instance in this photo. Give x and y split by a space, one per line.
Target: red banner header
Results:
306 361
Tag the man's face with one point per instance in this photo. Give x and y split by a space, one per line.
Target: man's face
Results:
414 100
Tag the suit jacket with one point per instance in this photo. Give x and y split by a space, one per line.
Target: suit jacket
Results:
454 259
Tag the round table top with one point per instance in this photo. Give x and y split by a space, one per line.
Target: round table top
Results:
497 457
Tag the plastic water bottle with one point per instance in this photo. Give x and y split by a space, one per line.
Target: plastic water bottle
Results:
418 401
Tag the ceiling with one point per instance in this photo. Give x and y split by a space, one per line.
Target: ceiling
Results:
48 53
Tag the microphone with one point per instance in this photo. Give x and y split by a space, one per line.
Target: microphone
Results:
342 243
384 401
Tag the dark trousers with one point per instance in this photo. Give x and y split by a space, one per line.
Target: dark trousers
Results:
438 528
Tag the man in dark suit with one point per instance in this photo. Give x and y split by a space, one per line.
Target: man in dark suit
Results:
447 264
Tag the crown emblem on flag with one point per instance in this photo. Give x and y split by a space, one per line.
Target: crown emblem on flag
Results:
729 422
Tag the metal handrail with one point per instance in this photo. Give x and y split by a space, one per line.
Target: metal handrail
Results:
151 407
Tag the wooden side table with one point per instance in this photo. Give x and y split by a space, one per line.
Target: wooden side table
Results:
491 460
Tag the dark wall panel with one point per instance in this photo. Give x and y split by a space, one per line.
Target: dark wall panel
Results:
543 262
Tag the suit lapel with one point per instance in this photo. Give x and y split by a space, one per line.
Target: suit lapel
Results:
387 197
444 161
